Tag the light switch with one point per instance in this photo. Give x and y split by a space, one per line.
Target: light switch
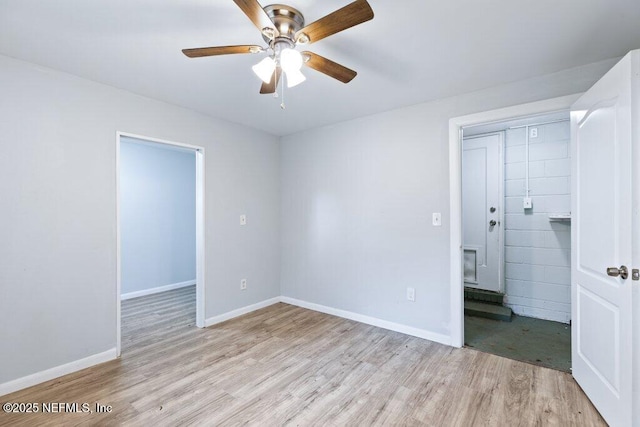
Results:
243 220
437 219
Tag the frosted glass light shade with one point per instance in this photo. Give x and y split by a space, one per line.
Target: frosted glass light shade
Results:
294 78
264 69
290 60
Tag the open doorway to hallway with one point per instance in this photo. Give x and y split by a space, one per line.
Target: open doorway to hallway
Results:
160 239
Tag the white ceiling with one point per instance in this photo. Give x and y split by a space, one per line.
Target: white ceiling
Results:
412 51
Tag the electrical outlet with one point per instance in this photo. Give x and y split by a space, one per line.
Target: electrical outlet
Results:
243 219
527 203
533 132
411 294
243 284
436 219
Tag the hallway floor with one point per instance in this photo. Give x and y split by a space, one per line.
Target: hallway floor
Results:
540 342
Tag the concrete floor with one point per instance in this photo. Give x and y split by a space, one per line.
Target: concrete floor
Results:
536 341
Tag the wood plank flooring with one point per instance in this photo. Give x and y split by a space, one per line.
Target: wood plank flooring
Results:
285 365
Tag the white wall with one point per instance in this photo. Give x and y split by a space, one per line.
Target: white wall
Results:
357 199
538 251
58 211
157 215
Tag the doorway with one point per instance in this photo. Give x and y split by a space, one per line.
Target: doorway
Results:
525 316
456 133
160 234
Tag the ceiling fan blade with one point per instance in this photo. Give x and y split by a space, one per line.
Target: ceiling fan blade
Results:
256 13
328 67
273 84
349 16
221 50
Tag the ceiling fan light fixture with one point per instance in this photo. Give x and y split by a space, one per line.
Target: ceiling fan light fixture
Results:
290 60
294 78
283 28
264 69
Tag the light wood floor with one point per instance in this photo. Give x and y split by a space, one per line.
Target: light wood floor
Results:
287 365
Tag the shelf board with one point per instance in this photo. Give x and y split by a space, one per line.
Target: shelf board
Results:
561 216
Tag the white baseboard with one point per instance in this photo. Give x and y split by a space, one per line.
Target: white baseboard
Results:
57 371
240 311
157 290
374 321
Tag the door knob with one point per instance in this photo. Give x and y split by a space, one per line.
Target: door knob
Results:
492 223
615 272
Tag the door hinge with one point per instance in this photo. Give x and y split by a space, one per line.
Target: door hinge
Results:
635 274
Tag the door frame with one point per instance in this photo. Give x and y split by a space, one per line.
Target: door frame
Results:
200 230
501 135
456 254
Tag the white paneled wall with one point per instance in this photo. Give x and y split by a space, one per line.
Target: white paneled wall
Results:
538 251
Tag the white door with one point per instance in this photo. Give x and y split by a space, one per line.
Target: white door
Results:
482 210
601 332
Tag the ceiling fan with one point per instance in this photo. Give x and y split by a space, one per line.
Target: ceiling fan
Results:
283 28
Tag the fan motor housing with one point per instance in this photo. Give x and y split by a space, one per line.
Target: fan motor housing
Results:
286 19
